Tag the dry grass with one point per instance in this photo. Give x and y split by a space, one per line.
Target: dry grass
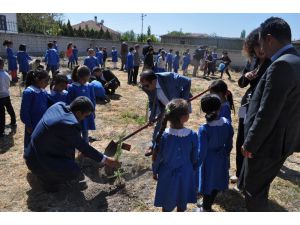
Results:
19 190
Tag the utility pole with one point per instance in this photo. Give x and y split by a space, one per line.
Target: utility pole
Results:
142 35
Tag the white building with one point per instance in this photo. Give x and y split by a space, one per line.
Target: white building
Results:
8 23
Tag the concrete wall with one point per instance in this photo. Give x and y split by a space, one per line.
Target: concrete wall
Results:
37 44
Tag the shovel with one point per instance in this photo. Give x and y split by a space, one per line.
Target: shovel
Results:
111 148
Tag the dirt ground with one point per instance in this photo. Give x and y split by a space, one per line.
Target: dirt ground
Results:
20 191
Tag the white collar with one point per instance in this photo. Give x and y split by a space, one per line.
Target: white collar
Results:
178 132
35 89
217 123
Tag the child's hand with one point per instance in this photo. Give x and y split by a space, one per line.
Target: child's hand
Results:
155 177
111 162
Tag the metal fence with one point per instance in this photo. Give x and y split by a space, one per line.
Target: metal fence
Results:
8 26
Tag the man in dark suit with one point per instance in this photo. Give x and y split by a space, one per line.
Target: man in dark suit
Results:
51 152
272 126
161 88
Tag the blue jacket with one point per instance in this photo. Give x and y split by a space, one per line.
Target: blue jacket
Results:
186 61
23 59
53 142
173 86
75 53
51 57
11 60
129 62
99 56
114 56
169 58
34 105
176 62
91 62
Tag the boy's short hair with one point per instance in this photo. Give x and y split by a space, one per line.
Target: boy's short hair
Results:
50 45
82 104
277 27
131 49
96 69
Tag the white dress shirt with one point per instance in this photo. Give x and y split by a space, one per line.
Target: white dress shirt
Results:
161 95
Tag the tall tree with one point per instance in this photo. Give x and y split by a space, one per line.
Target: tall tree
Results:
70 29
107 35
243 34
149 31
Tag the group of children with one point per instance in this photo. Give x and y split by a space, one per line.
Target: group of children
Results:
186 163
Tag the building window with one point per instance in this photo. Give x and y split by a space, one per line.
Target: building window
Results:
182 42
3 25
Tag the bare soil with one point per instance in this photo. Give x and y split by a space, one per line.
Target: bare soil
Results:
20 190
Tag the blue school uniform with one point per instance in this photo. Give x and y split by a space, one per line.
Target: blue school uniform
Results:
225 111
99 56
91 62
114 56
98 89
176 63
23 59
34 105
186 61
129 62
75 90
55 96
75 54
215 144
169 58
11 60
174 165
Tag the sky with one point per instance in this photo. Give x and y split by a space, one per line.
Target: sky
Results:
222 24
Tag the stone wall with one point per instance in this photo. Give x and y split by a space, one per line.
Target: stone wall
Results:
37 45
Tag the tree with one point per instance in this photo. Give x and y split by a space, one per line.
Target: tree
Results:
107 35
80 32
149 31
128 36
70 29
101 33
243 34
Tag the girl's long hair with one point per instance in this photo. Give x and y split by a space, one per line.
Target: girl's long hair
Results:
34 75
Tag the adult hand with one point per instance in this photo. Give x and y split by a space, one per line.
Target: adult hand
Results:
106 85
246 154
250 75
111 162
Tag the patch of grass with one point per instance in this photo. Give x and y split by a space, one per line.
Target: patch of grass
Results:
130 117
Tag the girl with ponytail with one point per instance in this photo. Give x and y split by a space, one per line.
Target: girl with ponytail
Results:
34 101
175 159
215 144
219 87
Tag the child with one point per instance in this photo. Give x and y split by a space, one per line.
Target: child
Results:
209 64
215 57
169 60
12 61
91 61
136 63
33 65
215 143
226 61
51 59
186 61
161 62
148 61
108 80
99 56
176 62
104 56
175 159
99 89
75 55
129 65
5 100
34 101
23 59
219 87
114 57
69 54
58 88
81 87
